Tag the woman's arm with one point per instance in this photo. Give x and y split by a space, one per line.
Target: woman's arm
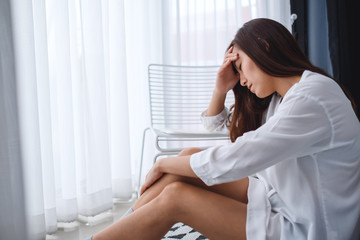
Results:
225 81
174 165
299 128
177 166
216 104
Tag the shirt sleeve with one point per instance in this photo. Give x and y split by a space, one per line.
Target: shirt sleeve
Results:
217 123
300 127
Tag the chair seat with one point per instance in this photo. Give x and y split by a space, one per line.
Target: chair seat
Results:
182 136
182 133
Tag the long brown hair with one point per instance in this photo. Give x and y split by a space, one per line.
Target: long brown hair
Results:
275 51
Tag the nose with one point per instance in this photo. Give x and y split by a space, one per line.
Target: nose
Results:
242 81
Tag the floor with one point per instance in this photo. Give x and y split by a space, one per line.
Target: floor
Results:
81 231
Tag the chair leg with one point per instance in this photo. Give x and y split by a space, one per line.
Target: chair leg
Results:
141 158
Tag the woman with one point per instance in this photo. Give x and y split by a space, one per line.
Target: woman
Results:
292 170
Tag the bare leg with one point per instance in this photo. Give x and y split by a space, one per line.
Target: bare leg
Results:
236 190
212 214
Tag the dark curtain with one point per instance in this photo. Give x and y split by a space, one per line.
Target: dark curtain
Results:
342 50
299 27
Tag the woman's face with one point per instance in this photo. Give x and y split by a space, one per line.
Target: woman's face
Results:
251 76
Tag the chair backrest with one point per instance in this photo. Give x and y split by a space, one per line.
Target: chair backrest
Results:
179 94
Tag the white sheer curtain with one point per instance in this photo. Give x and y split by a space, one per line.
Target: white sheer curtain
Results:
81 68
198 31
73 109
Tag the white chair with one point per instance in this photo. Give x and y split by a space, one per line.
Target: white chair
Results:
178 95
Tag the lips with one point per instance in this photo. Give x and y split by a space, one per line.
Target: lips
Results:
249 87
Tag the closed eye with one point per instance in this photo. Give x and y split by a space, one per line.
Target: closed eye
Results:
234 67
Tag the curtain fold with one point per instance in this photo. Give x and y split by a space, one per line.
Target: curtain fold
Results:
118 102
83 93
28 115
43 95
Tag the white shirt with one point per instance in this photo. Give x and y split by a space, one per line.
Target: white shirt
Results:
307 154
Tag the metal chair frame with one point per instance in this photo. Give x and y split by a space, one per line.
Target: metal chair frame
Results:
177 96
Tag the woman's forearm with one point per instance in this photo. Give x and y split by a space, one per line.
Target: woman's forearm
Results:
226 79
216 104
176 165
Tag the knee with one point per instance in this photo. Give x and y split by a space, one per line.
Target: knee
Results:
170 197
189 151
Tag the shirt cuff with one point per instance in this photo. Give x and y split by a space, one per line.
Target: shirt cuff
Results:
217 122
200 169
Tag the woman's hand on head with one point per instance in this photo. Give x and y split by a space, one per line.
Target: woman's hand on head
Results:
153 175
226 77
